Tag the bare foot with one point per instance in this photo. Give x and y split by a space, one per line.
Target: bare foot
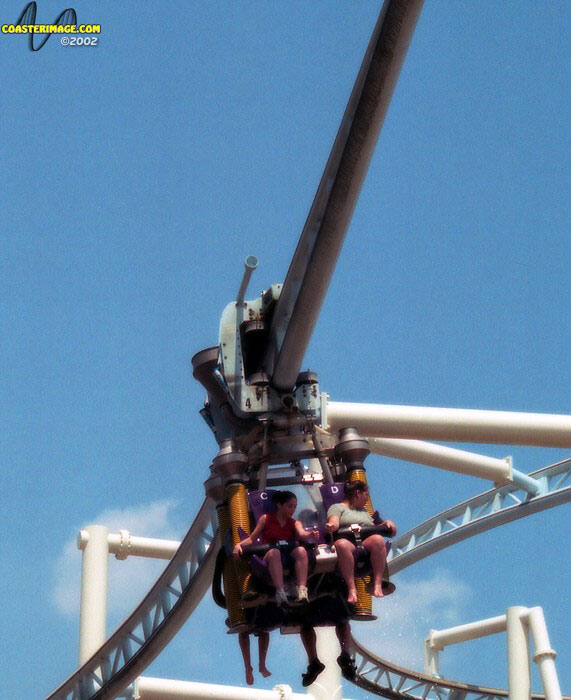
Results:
352 597
249 675
264 671
378 590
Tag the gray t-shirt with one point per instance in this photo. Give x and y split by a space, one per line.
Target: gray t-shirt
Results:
350 516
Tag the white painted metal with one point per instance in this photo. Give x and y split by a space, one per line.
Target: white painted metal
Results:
384 678
490 509
142 636
124 544
431 658
328 684
526 482
438 639
544 655
500 471
162 689
519 679
250 264
449 458
517 622
451 424
93 606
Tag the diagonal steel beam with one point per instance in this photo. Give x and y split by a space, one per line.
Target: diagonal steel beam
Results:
318 248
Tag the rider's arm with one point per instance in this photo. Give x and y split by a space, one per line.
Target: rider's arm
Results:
257 531
332 524
389 523
303 534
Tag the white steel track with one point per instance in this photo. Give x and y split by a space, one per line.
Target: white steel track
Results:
147 631
177 592
484 512
383 678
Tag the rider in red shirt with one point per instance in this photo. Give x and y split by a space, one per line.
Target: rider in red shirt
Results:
276 527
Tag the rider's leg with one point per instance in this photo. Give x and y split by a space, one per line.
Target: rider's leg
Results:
274 559
375 545
244 641
346 565
299 555
263 643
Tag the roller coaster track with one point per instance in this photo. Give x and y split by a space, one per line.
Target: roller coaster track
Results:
177 592
383 678
484 512
143 635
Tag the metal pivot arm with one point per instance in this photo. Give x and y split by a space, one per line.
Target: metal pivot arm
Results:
318 248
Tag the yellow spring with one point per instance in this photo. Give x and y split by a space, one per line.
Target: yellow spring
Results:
364 604
223 521
239 517
236 614
238 506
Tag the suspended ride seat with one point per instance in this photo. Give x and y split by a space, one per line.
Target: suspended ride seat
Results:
335 493
261 503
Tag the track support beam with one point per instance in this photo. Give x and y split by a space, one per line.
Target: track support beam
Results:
451 424
93 606
163 689
518 622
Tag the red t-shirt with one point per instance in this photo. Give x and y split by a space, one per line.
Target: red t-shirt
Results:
273 531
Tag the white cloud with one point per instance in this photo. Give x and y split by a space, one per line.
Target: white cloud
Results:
130 579
406 616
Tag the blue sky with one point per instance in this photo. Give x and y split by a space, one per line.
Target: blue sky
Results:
136 177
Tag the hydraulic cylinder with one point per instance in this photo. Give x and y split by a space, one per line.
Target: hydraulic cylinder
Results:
236 614
236 496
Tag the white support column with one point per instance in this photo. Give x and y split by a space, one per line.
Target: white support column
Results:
519 678
518 622
93 610
438 639
451 424
163 689
544 655
328 685
432 656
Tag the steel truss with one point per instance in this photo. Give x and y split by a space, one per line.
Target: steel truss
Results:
143 635
383 678
484 512
177 592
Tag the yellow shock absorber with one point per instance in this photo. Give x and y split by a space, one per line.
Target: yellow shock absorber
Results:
240 518
364 604
236 614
